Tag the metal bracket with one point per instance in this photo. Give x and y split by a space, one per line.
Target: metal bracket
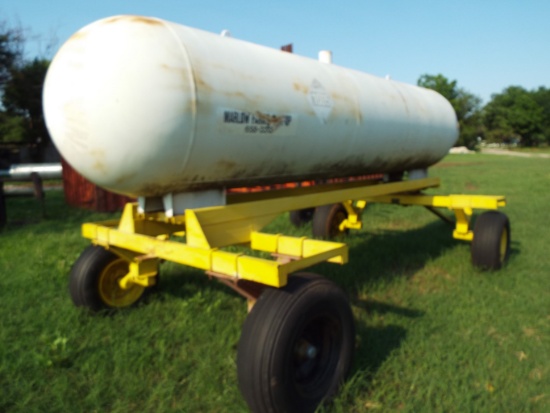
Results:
142 273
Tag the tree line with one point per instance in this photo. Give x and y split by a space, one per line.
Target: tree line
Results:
21 81
514 116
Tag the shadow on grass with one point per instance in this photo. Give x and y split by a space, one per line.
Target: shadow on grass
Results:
378 259
381 308
183 282
388 255
373 258
515 249
376 343
375 347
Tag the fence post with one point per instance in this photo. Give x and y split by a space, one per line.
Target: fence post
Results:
39 191
3 215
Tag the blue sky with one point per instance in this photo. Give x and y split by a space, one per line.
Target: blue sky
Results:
486 45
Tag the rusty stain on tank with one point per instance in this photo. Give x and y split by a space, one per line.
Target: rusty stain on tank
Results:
81 34
226 165
122 179
271 120
300 88
146 20
201 83
236 94
184 76
99 160
134 19
351 104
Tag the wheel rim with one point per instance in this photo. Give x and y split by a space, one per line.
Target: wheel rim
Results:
503 250
315 355
109 288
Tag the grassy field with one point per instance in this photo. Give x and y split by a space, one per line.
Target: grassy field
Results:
433 334
535 150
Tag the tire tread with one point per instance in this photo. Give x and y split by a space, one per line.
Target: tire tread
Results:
485 248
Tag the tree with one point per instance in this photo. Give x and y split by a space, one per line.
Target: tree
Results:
12 128
11 51
21 81
23 99
466 105
515 116
542 97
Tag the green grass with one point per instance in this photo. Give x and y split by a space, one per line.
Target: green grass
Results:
534 150
433 334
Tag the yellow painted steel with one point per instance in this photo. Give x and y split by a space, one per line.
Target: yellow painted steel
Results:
144 250
462 229
110 290
151 235
220 226
353 221
443 201
141 272
194 239
461 205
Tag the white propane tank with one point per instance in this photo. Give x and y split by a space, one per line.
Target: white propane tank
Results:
145 107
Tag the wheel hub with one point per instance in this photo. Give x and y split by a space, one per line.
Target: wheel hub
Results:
305 350
109 287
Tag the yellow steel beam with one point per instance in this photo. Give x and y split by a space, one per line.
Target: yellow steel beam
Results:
443 201
299 248
220 226
462 228
353 221
461 205
143 239
141 272
206 229
153 224
147 245
304 253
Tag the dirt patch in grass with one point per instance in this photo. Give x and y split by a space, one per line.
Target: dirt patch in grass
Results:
470 186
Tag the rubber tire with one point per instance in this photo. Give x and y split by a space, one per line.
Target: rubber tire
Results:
84 279
327 219
301 217
266 356
489 250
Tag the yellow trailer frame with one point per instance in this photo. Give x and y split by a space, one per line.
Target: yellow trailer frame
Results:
197 237
298 340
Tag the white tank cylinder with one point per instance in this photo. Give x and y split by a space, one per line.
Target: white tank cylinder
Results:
145 107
